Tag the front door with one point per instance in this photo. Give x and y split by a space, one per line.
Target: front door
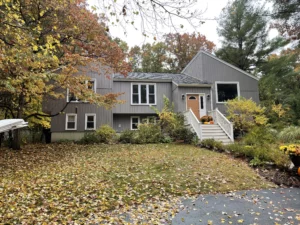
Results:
192 103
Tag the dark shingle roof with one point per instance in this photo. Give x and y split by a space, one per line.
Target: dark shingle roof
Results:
177 78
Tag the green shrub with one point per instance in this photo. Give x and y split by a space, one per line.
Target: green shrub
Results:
166 139
127 136
290 134
212 144
183 133
260 135
89 138
106 134
148 133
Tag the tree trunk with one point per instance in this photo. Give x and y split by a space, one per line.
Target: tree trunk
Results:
16 144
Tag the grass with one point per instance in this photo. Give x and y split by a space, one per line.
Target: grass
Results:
102 183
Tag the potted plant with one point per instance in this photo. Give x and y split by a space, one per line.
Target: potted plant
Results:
204 119
210 120
293 151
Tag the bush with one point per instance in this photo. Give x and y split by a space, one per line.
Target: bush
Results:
290 134
212 144
183 133
260 136
127 136
148 133
106 134
89 138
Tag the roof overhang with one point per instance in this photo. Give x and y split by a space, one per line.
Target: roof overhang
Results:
143 80
194 85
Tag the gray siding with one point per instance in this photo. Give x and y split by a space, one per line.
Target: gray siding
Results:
195 67
122 121
181 104
125 88
214 70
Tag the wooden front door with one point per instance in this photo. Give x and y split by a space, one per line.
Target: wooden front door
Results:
192 102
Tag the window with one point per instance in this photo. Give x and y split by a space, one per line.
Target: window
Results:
90 121
135 120
143 94
201 102
91 84
226 91
192 98
71 121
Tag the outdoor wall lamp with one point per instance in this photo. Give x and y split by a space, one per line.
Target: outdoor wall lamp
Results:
182 97
208 97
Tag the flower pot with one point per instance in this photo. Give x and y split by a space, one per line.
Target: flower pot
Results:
296 160
211 122
206 122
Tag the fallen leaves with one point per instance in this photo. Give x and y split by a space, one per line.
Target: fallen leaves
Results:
119 184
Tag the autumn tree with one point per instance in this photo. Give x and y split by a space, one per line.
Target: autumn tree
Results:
183 47
42 45
244 31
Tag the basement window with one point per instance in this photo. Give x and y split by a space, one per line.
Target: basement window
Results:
71 121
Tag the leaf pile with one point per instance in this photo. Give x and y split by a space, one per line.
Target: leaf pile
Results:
116 184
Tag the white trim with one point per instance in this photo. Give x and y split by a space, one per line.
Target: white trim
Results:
220 60
86 82
67 120
147 93
226 82
85 121
148 118
139 121
95 83
204 102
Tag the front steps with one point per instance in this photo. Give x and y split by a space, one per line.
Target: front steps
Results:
214 131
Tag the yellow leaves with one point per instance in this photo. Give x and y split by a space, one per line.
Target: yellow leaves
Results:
35 48
240 221
279 110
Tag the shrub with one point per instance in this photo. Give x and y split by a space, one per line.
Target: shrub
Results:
127 136
245 114
183 133
290 134
89 138
148 133
260 136
106 134
212 144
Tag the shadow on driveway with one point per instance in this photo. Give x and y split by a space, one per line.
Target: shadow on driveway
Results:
263 207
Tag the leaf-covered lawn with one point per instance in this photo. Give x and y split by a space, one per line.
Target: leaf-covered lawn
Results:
70 183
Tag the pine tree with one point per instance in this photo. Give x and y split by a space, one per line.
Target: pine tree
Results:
243 28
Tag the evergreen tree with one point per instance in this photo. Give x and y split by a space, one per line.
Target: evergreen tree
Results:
244 31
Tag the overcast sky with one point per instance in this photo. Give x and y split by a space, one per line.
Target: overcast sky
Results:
212 9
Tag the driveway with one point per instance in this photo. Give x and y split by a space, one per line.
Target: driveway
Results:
263 207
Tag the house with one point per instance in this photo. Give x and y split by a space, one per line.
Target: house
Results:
202 88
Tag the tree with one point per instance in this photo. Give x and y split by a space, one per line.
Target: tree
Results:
42 44
287 18
244 31
183 47
280 84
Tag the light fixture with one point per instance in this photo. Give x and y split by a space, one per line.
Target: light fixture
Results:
208 97
182 97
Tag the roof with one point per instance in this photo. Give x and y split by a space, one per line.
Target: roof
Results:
11 124
178 79
220 60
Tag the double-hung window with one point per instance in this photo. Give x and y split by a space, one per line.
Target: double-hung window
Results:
134 122
90 121
71 121
91 84
143 94
227 91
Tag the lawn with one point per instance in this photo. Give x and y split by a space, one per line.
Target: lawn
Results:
69 183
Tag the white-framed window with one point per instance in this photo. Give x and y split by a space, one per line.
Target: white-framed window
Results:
71 121
143 94
227 91
90 121
151 119
134 122
91 84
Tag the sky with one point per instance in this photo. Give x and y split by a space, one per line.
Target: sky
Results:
212 9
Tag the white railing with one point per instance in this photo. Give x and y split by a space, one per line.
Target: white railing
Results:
223 122
194 122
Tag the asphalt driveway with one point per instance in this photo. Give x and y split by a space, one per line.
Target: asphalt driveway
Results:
263 207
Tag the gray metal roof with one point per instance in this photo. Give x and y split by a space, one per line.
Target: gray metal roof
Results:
176 78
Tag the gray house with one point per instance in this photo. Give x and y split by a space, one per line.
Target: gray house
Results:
202 88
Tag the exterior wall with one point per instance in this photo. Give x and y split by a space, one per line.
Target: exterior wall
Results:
181 104
122 122
175 97
126 108
195 67
214 70
75 136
